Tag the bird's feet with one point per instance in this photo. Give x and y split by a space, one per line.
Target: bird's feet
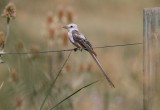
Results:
75 49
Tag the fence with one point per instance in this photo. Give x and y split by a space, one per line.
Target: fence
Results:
150 62
151 58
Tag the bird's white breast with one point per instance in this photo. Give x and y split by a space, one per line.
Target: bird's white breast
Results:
70 36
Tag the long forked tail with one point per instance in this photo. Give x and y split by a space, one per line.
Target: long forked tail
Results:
99 65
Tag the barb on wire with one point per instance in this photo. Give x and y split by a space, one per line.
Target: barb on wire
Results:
63 50
49 90
74 93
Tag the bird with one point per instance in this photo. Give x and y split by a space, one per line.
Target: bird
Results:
81 42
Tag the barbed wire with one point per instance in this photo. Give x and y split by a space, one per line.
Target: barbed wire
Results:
119 45
72 49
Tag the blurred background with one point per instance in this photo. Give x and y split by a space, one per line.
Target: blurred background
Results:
37 27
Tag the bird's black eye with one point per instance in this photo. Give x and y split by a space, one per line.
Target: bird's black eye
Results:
71 26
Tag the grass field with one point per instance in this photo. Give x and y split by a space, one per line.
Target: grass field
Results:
37 27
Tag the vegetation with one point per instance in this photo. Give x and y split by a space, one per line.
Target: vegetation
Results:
33 27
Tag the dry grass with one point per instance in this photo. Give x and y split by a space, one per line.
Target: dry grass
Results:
103 23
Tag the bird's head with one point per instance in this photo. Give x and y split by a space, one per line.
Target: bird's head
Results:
71 27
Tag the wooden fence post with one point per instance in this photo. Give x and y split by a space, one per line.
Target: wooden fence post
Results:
151 64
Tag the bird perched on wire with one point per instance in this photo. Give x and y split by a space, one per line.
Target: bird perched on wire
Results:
80 41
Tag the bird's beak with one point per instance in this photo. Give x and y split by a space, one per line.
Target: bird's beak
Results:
65 27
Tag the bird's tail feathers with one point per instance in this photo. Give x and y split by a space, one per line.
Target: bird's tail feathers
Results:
94 53
99 65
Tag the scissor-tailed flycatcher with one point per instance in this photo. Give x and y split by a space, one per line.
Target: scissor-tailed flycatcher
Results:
80 41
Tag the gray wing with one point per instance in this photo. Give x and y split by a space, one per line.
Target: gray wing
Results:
84 43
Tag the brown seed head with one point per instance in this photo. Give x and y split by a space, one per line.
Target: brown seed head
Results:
51 32
65 38
49 18
19 101
19 46
81 67
1 38
70 15
34 49
68 67
14 75
9 11
61 13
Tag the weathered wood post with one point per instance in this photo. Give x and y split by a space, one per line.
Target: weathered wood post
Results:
151 25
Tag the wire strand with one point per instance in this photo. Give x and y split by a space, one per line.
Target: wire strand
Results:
63 50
